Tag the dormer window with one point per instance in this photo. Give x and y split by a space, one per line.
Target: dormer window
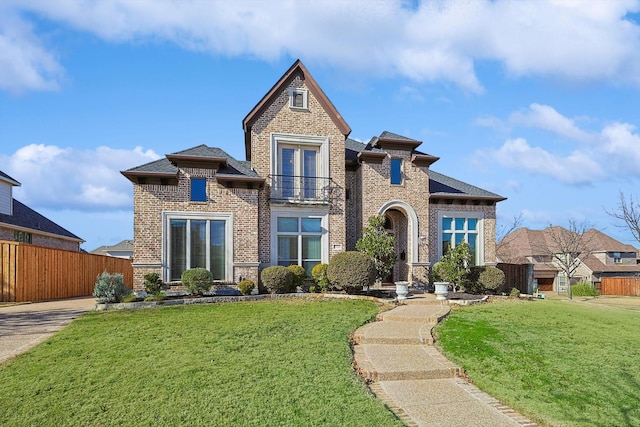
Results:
298 98
617 258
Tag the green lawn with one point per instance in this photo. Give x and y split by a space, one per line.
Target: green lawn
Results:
266 363
558 362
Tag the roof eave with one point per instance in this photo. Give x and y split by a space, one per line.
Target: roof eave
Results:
466 197
175 159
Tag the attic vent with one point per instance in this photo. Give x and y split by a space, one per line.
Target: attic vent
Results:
298 98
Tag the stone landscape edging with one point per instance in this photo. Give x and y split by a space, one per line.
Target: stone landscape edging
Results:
227 299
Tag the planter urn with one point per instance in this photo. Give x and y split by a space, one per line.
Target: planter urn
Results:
402 289
442 289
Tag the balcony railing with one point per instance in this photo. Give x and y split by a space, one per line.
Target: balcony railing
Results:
300 189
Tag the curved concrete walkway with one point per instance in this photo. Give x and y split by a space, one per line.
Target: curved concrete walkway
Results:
23 326
396 356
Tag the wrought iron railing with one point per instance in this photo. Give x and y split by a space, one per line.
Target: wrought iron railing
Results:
300 189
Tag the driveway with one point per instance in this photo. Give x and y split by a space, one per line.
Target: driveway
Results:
24 326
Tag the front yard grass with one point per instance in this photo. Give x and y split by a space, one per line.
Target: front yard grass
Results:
558 362
270 363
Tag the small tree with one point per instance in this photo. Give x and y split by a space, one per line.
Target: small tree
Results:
454 265
566 248
379 245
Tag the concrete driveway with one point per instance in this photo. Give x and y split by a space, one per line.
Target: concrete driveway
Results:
24 326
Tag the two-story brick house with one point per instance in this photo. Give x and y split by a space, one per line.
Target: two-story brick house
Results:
302 195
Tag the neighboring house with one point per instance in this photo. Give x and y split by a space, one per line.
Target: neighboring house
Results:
123 249
301 196
20 223
608 258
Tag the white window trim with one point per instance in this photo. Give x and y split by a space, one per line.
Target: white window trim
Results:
463 214
323 214
305 98
167 216
319 142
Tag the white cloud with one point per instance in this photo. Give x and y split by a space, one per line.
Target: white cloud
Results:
576 168
68 178
611 151
24 63
435 41
547 118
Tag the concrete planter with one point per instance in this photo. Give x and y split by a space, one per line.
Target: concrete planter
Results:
402 289
442 289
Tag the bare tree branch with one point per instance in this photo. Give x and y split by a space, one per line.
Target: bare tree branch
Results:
629 214
567 248
504 234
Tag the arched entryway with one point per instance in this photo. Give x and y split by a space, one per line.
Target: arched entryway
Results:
402 222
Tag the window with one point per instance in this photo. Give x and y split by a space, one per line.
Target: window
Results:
198 189
298 98
196 240
617 258
22 236
298 171
460 229
396 171
299 241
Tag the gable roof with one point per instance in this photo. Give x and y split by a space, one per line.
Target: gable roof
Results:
297 68
6 178
25 217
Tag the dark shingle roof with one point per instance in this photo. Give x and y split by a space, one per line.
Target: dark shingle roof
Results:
24 216
233 167
391 135
442 186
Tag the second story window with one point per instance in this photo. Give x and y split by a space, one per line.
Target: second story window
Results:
198 189
396 171
617 258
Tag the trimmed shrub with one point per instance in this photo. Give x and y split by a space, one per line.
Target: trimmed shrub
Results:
110 288
319 274
514 293
246 286
197 280
153 283
584 289
492 279
351 270
299 274
277 279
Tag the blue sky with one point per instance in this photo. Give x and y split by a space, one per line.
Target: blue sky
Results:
538 101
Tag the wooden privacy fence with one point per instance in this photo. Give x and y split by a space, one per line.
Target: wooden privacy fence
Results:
516 276
36 273
620 286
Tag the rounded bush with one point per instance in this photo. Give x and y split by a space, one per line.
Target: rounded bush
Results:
299 274
492 278
319 274
246 286
110 288
277 279
197 280
351 270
